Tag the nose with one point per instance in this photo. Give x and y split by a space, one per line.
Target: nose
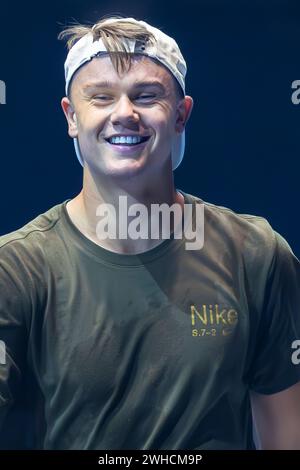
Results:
124 112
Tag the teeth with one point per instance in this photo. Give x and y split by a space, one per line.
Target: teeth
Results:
125 140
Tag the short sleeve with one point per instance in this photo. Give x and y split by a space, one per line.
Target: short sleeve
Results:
14 305
273 368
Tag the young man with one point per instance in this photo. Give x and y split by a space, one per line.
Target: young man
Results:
141 343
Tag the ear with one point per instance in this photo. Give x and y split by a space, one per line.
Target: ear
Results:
184 110
69 112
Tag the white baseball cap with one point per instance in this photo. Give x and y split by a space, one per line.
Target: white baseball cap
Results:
165 50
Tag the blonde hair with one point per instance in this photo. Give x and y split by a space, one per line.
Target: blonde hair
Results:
111 35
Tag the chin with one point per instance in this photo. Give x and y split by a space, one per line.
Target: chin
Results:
125 166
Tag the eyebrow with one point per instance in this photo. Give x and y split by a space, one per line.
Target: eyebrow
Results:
107 84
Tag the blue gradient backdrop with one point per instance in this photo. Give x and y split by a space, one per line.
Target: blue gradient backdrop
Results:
243 140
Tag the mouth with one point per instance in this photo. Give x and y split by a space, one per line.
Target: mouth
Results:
127 141
128 145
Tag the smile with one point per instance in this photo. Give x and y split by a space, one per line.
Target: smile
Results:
128 140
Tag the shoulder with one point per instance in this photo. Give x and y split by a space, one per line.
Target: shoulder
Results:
243 229
22 267
244 238
27 243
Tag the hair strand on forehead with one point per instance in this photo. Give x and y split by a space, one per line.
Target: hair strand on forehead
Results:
112 35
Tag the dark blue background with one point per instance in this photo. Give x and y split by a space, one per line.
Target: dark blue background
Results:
243 141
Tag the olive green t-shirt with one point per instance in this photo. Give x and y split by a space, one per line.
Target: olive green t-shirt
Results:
158 350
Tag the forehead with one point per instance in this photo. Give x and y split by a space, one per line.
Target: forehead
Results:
101 69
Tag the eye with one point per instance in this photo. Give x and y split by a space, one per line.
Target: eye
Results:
102 98
146 96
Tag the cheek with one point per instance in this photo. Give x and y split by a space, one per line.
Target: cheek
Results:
159 119
93 120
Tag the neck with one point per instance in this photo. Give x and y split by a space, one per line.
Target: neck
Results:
96 194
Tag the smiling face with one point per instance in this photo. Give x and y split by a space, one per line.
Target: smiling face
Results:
125 124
